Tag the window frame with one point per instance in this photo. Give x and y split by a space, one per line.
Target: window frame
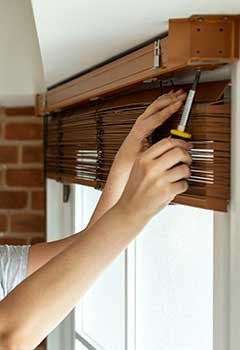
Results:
59 220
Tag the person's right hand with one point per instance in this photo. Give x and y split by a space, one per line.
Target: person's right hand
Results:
157 176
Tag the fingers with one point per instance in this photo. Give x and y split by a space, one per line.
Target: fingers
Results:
173 157
179 187
179 92
159 118
164 101
159 111
166 144
176 93
178 173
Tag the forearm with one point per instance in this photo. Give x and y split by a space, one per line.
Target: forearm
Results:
51 292
117 178
112 191
41 253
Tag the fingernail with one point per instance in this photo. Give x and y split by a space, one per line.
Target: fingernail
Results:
180 97
183 94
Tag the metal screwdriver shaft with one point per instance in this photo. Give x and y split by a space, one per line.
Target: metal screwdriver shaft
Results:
180 131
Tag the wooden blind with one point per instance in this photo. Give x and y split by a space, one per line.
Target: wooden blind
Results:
82 141
72 147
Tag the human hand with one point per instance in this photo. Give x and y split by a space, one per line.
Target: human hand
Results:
154 116
133 146
157 176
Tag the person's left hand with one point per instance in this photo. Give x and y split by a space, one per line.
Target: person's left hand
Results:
154 116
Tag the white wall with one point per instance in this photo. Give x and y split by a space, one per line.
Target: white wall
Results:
21 69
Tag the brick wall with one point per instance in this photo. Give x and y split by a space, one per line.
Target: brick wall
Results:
21 178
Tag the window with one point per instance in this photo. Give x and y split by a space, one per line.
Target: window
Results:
159 293
99 317
174 280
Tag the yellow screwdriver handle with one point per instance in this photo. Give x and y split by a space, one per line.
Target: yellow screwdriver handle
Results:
180 134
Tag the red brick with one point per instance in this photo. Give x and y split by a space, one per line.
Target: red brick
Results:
12 241
32 154
24 177
3 223
38 200
27 223
13 199
8 154
23 131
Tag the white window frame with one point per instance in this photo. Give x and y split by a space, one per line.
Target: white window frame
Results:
130 290
226 293
59 220
226 306
234 216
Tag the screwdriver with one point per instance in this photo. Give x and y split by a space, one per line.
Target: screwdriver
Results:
180 131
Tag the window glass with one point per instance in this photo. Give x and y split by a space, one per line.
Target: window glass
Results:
171 286
79 345
174 280
100 315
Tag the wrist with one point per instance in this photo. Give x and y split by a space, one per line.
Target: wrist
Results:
130 215
122 164
130 147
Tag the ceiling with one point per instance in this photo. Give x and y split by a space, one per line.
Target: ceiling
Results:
77 34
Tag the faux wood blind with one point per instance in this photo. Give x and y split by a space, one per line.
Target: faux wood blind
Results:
73 147
83 141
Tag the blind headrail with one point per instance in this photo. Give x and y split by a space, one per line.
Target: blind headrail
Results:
186 47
